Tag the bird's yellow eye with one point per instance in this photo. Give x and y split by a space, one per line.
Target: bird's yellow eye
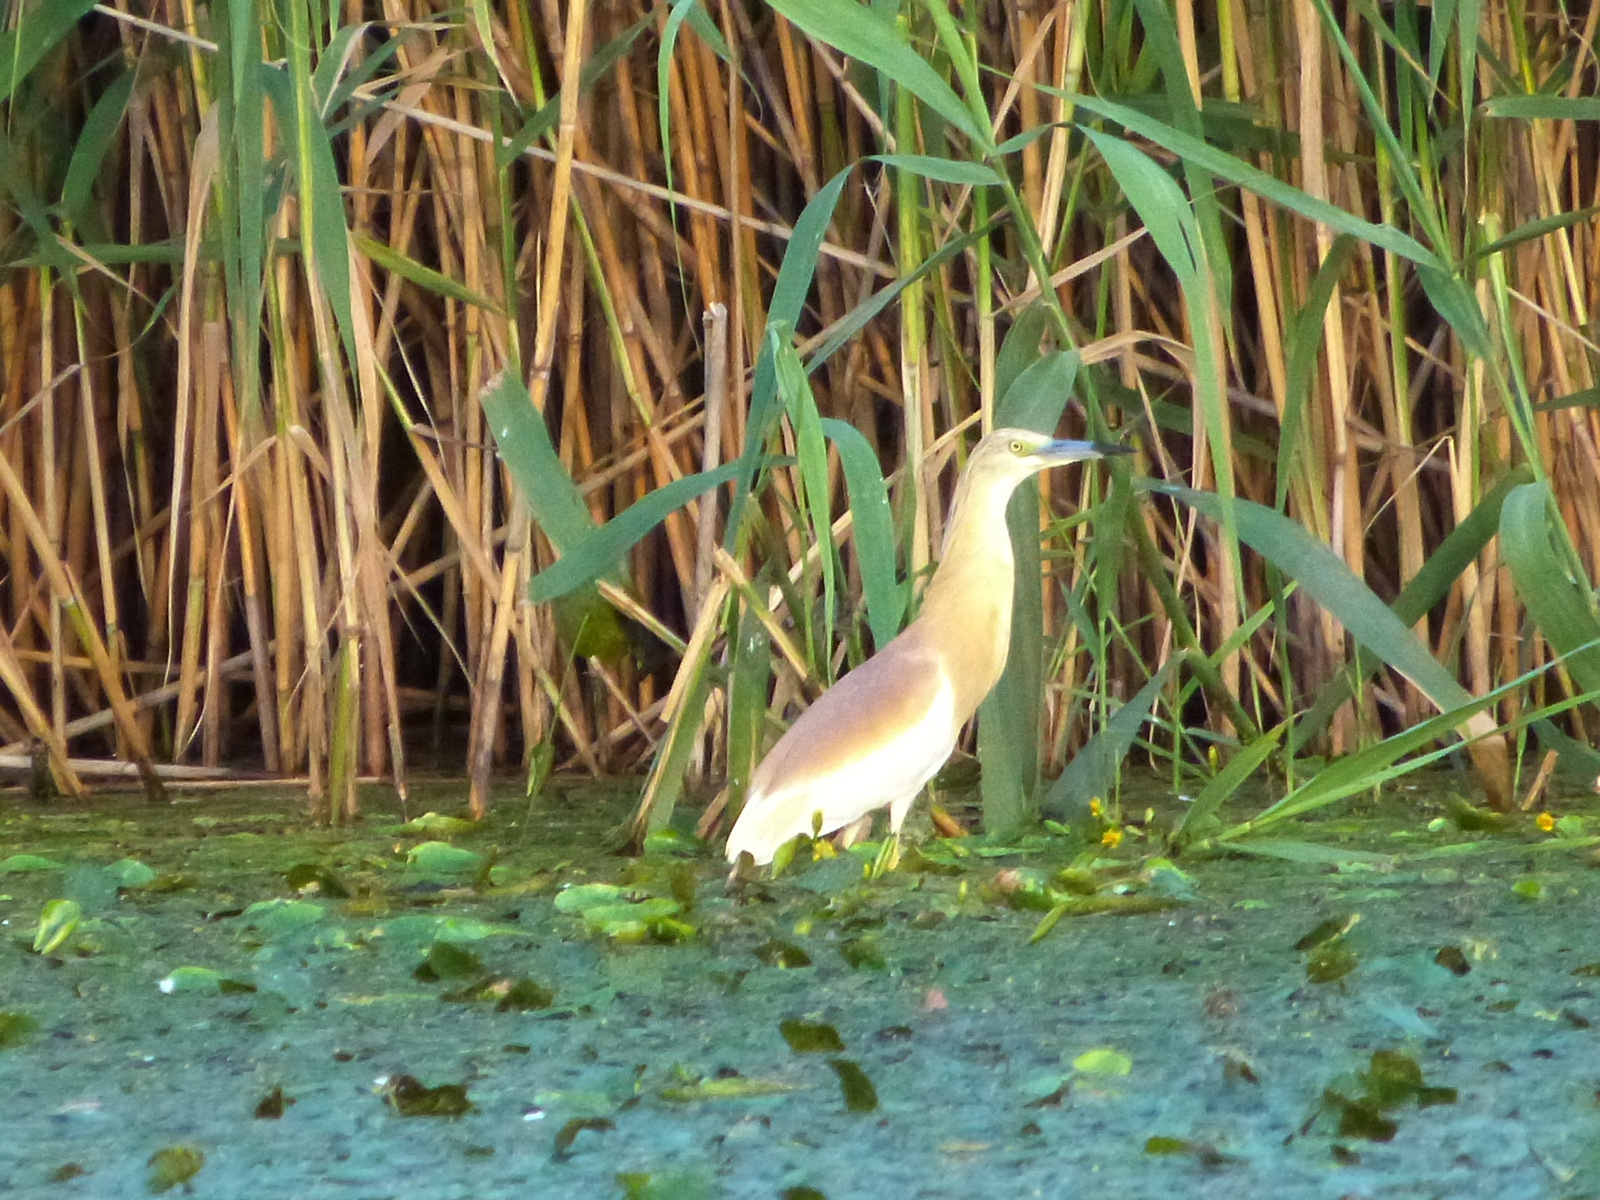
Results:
1018 446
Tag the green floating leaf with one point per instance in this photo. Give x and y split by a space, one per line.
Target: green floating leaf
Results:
1103 1061
447 960
202 981
669 930
688 1184
16 1028
783 955
173 1166
1166 1145
410 1097
443 859
275 919
1394 1078
1166 878
314 877
808 1037
131 873
863 953
605 916
1360 1118
570 1130
57 922
1026 889
1331 961
463 929
1110 903
1326 931
671 841
859 1094
587 895
19 864
438 824
272 1106
524 995
1471 819
732 1087
1453 960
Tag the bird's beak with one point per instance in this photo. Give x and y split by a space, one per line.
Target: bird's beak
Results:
1064 450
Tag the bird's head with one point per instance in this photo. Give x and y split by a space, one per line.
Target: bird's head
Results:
1008 456
1003 460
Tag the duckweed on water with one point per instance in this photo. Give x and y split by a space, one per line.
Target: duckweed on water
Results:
1372 1001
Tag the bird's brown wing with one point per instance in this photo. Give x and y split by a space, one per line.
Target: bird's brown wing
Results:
890 692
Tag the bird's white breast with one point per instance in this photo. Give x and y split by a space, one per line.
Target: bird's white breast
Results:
890 768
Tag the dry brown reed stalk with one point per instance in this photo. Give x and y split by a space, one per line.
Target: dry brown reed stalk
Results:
322 544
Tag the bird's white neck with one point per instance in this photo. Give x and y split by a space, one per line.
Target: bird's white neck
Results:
967 607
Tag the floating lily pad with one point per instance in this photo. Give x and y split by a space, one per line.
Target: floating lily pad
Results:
22 864
570 1131
442 860
131 873
274 919
410 1097
689 1184
271 1107
1332 928
1102 1061
863 953
437 824
448 960
16 1028
781 954
203 981
808 1037
651 917
173 1166
1453 960
732 1087
587 895
525 994
314 877
671 841
859 1094
1331 961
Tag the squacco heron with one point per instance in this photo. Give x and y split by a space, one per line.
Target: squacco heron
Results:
879 734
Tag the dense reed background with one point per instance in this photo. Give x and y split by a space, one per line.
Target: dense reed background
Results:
268 265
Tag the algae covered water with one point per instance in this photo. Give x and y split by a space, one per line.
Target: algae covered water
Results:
212 997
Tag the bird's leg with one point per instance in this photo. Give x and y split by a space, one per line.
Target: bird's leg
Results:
852 833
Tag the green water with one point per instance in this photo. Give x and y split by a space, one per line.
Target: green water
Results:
216 995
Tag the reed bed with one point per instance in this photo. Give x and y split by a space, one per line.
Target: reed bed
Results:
327 329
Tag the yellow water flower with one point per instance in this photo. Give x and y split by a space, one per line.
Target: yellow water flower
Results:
1111 837
1545 821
